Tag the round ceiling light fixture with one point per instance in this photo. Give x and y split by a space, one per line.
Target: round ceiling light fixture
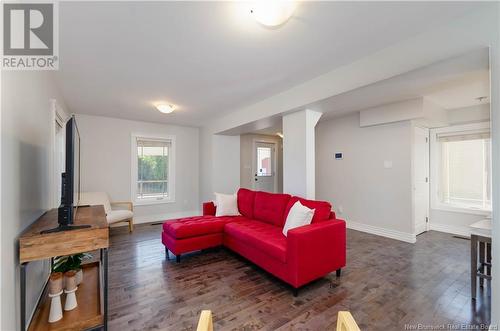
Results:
272 13
165 108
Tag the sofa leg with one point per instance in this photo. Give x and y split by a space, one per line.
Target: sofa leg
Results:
178 258
295 292
166 253
338 272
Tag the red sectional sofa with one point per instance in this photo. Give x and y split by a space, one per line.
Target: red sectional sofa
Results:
305 254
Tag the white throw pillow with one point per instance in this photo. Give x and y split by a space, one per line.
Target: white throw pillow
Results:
299 215
227 205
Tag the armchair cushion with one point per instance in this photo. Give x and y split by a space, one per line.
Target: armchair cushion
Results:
119 215
94 199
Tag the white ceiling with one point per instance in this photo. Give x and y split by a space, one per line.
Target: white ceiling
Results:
452 83
463 92
211 58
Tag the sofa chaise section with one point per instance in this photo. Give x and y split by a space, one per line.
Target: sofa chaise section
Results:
194 233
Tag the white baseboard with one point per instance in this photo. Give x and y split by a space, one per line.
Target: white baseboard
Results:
460 230
161 217
393 234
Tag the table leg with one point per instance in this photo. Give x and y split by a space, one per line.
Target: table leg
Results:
23 296
105 295
473 265
481 262
488 257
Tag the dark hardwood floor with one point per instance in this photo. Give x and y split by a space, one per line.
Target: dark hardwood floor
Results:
386 284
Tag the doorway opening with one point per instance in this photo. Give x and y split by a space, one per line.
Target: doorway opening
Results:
264 162
420 179
261 162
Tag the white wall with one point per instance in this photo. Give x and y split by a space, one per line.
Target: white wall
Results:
373 198
26 144
361 140
106 163
225 164
219 164
246 159
205 165
451 221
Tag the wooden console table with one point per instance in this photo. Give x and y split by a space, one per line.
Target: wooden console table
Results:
92 294
480 240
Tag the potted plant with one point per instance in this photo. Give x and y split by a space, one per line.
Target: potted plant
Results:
71 262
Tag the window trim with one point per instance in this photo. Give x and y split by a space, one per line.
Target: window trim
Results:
57 117
134 165
434 175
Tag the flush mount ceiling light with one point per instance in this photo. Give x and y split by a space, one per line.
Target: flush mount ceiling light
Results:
165 108
272 13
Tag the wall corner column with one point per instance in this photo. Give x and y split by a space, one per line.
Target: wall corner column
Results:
299 157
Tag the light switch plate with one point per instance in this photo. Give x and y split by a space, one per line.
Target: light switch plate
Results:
388 164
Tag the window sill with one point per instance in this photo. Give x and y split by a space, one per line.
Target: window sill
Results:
464 210
147 202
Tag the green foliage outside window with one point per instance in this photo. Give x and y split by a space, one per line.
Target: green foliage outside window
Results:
153 167
153 175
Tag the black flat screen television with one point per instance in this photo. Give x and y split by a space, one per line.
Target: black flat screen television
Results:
70 191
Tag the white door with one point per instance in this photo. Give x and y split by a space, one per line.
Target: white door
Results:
421 179
264 167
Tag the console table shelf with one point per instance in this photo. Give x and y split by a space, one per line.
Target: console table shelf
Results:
92 296
89 312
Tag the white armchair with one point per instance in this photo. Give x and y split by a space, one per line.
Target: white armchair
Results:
112 215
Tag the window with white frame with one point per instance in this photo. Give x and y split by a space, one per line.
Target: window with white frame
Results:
463 167
152 169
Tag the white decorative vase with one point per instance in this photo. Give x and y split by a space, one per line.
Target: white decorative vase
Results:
79 276
70 303
55 313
